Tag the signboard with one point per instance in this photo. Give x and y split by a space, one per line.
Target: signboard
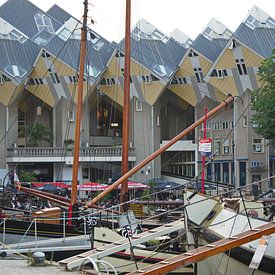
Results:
257 164
137 209
205 146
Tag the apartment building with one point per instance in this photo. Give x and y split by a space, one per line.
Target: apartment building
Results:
172 79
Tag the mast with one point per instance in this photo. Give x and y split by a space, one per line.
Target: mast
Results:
79 105
126 103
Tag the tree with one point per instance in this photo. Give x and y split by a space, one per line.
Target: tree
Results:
263 100
38 132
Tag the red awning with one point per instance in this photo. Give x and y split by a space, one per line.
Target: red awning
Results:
136 185
91 186
57 184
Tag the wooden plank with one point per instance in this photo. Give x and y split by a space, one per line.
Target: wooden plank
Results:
204 252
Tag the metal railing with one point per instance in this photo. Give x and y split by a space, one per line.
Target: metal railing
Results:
61 151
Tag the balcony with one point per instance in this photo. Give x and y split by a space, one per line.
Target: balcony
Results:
61 154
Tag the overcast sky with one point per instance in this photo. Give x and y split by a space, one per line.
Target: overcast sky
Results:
188 16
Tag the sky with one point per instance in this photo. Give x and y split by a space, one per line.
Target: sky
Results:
188 16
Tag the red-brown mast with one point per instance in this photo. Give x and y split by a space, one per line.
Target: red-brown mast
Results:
126 103
79 104
158 152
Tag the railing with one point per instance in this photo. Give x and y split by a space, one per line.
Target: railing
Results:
61 151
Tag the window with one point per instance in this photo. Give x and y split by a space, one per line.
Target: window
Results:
241 66
225 172
222 73
98 45
71 116
15 35
73 78
226 147
65 34
192 54
147 78
250 22
45 54
43 22
242 167
198 74
110 81
208 33
138 105
219 73
217 147
157 121
178 81
15 71
217 171
54 78
258 145
244 121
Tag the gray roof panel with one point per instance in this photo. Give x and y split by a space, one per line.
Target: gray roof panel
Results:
59 14
15 53
261 39
211 49
68 51
161 57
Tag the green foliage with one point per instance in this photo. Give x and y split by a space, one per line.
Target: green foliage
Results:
38 132
263 102
153 242
26 176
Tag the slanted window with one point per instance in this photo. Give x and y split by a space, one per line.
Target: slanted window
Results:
138 105
198 74
214 73
258 145
241 67
208 33
65 34
54 78
73 79
16 35
250 22
222 73
45 54
182 80
110 81
147 78
43 22
15 71
192 53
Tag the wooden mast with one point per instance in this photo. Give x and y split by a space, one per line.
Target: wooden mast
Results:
158 152
79 105
126 103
